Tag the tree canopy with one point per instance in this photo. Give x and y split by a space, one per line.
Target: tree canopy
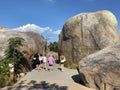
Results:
53 46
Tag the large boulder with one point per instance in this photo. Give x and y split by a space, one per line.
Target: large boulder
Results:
101 70
34 43
87 33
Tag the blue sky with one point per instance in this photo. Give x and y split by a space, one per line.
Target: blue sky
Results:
47 17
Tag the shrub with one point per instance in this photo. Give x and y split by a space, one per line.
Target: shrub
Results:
13 55
70 65
4 73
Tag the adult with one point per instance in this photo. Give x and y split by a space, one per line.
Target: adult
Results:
36 62
62 61
33 63
44 62
51 62
41 61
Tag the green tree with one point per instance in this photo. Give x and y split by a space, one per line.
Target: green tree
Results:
53 46
12 52
13 55
13 45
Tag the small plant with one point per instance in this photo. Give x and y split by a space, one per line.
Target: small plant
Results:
70 65
2 81
4 69
4 73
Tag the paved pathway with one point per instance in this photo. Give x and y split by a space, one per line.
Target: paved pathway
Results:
45 80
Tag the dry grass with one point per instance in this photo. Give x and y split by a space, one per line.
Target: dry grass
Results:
70 65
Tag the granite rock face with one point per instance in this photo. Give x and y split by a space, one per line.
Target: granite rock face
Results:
101 70
87 33
34 43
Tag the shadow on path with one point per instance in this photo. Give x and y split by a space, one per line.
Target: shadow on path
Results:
34 85
77 79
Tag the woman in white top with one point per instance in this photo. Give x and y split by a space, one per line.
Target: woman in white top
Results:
44 62
62 60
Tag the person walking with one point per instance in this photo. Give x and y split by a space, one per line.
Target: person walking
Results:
41 61
44 62
36 62
62 61
51 62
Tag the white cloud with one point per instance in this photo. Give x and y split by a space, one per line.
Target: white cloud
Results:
48 33
57 32
32 27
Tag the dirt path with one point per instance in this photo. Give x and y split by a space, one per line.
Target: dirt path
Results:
45 80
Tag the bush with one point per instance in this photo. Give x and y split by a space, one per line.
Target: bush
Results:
13 55
4 68
2 81
4 73
5 80
70 65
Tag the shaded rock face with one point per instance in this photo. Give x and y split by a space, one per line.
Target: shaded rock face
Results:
87 33
34 43
101 70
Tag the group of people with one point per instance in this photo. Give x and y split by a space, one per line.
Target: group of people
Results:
40 62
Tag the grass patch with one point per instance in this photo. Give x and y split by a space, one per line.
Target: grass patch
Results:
70 65
5 80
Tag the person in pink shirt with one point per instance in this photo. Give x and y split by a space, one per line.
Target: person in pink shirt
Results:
51 62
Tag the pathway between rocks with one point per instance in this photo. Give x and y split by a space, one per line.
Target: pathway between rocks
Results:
45 80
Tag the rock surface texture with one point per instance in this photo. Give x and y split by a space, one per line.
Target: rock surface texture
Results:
34 43
87 33
101 70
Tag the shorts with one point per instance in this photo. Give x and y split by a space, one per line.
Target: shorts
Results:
62 63
50 65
